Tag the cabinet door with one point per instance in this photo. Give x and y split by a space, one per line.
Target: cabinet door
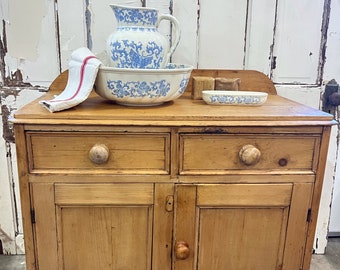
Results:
102 226
241 226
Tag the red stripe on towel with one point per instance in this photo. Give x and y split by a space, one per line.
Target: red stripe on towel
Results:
82 71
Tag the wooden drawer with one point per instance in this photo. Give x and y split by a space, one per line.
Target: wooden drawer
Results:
209 154
122 153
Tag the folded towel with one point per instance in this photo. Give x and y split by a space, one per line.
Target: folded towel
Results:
83 69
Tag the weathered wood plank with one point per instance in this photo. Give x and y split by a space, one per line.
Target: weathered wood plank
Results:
332 65
221 33
259 36
187 50
72 28
29 40
297 41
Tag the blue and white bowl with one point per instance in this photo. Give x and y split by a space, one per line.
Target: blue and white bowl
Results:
224 97
142 87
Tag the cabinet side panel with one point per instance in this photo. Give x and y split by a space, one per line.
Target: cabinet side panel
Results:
45 226
297 226
316 195
22 161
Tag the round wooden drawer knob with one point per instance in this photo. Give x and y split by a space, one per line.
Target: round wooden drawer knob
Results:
182 250
249 154
99 154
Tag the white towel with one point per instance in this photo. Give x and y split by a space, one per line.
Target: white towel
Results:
83 69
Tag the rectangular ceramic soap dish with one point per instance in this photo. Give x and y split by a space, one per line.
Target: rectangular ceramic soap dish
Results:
224 97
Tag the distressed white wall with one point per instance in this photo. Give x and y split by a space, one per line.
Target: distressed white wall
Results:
332 64
334 225
8 226
285 39
332 71
11 231
298 41
32 44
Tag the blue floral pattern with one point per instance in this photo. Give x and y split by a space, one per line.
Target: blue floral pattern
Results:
183 85
131 54
138 89
174 66
234 99
146 17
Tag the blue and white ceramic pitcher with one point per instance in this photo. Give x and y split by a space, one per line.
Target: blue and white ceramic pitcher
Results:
136 43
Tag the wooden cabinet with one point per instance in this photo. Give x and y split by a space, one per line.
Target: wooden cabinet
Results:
242 226
100 225
179 186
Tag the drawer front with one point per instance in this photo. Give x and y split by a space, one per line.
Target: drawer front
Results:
209 154
128 153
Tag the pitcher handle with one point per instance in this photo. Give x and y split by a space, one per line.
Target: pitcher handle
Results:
177 35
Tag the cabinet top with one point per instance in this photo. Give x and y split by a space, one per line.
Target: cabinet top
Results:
277 111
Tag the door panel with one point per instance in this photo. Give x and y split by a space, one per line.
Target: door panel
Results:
122 194
102 226
45 226
116 228
297 226
244 195
241 226
250 238
116 237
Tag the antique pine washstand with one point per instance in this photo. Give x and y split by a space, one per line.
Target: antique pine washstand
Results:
172 188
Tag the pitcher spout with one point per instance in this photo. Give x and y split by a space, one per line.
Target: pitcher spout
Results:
135 16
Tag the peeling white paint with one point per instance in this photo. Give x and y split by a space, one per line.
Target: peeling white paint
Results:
326 196
7 225
24 28
259 46
332 64
19 236
297 41
307 95
10 207
4 11
221 39
32 41
27 95
332 71
334 225
72 32
186 12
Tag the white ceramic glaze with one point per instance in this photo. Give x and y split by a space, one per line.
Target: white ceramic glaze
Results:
142 87
224 97
136 42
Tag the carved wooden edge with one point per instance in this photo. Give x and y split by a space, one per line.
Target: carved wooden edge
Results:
251 80
59 83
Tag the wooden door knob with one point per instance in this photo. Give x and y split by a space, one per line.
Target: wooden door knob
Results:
99 154
182 250
249 154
